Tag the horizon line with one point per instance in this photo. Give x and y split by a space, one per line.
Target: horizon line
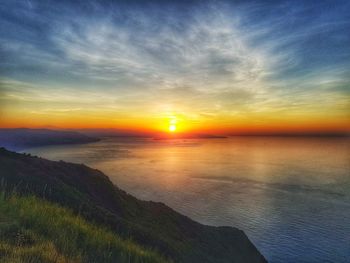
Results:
118 132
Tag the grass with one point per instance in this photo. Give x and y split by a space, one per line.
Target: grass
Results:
35 230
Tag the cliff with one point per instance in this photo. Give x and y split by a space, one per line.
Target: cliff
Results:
89 193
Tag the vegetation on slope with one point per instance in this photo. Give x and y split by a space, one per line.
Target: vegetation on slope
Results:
90 194
34 230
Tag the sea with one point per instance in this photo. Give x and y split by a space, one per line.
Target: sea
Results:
290 195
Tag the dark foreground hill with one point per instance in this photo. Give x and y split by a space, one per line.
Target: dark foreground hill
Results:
33 230
91 195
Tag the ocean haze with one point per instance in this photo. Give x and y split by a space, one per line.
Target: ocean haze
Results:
290 195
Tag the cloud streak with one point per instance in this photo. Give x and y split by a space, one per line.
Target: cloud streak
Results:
204 59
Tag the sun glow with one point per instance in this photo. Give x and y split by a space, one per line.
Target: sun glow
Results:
172 124
172 128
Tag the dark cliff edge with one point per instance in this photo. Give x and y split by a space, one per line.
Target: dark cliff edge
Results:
89 193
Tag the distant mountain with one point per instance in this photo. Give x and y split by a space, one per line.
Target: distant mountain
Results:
100 132
20 138
153 225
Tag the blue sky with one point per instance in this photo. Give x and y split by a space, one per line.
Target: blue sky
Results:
199 60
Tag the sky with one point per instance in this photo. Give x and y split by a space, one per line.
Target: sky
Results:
221 67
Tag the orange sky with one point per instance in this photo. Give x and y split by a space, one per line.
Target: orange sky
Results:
200 125
217 70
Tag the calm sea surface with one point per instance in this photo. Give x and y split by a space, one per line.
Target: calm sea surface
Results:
290 195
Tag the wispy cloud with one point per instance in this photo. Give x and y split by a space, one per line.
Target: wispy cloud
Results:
208 59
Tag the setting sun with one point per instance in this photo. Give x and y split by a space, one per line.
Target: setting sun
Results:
172 128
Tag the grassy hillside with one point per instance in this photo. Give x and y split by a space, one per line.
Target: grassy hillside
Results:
89 193
34 230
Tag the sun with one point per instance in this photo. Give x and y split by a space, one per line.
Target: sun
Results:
172 127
